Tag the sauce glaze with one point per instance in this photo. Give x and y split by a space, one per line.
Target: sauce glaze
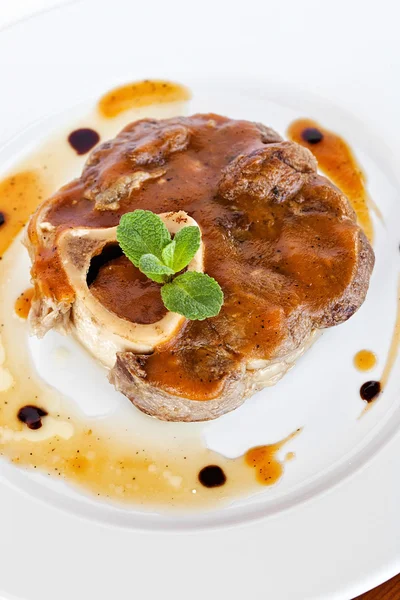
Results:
125 291
273 260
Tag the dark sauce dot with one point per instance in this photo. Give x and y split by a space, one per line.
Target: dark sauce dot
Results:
212 476
312 135
2 218
83 140
31 416
370 390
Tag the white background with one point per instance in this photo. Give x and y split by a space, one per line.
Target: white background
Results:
12 10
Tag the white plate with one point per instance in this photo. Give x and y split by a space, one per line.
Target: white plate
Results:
271 63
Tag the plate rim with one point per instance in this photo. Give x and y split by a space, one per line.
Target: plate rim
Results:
385 572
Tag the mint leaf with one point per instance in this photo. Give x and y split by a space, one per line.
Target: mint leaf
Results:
194 295
168 253
147 243
187 242
182 249
152 266
142 232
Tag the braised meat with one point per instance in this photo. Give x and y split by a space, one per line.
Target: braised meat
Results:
281 240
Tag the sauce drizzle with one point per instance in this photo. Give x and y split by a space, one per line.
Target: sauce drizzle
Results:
83 140
32 416
370 390
212 476
140 94
268 469
338 162
23 303
394 344
20 194
312 135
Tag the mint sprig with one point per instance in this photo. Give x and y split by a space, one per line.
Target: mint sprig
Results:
142 232
154 268
147 243
187 242
195 295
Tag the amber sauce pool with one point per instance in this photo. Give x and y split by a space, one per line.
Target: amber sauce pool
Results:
364 360
263 459
40 429
337 161
139 94
23 303
20 194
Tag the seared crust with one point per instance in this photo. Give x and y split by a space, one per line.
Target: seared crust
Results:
354 295
276 172
129 377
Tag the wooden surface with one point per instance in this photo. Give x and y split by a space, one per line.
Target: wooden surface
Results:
387 591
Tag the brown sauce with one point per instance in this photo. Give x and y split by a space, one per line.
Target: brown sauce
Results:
20 195
268 468
365 360
338 162
23 303
139 94
32 416
125 291
83 140
212 476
